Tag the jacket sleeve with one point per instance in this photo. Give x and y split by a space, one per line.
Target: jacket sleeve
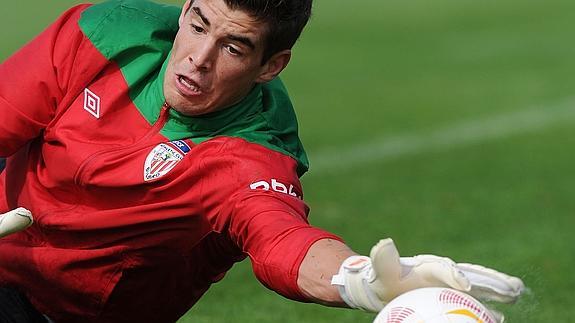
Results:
276 235
254 196
34 80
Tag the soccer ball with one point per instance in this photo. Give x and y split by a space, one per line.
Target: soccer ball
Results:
435 305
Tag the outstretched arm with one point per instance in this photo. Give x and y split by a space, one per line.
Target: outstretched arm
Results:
332 274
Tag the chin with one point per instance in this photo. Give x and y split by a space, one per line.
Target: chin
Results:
178 103
186 109
188 106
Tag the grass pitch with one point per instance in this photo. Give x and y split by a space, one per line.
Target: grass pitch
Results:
447 125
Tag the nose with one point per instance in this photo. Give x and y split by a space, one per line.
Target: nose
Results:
203 57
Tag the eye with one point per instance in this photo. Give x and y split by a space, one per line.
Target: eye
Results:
232 50
197 29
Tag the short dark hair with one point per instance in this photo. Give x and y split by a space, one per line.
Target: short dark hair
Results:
285 20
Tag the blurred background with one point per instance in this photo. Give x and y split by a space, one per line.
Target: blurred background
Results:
447 125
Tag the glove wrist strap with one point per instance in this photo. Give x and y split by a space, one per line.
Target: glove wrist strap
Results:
353 283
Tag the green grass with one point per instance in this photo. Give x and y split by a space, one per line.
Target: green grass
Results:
376 69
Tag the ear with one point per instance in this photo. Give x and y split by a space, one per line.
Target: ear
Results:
185 10
274 66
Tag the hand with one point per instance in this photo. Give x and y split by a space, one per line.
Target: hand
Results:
398 275
371 282
14 221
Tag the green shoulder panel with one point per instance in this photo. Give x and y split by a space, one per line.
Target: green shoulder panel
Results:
138 36
117 25
280 119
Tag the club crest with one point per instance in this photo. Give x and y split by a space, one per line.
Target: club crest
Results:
162 159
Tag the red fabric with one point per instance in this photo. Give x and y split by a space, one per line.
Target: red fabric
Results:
29 96
268 223
108 246
182 236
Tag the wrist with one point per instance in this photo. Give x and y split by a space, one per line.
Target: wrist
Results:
354 282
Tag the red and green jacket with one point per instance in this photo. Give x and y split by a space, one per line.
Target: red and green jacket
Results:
139 209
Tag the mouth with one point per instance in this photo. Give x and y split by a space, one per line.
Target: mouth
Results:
187 86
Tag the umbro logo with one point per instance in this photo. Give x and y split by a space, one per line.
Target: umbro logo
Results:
92 103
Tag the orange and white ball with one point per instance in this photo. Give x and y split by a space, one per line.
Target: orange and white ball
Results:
435 305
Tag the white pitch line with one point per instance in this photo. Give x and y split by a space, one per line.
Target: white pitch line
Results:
460 134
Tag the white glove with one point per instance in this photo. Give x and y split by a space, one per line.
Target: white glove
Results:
369 283
14 221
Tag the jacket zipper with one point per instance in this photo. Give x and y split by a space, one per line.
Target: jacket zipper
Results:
158 125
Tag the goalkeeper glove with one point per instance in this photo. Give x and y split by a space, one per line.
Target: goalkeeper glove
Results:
14 221
369 283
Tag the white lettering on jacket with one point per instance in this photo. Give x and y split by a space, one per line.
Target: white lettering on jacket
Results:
276 186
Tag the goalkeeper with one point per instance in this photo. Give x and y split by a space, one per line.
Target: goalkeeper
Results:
155 147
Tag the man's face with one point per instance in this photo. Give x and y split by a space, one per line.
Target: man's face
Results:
216 58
